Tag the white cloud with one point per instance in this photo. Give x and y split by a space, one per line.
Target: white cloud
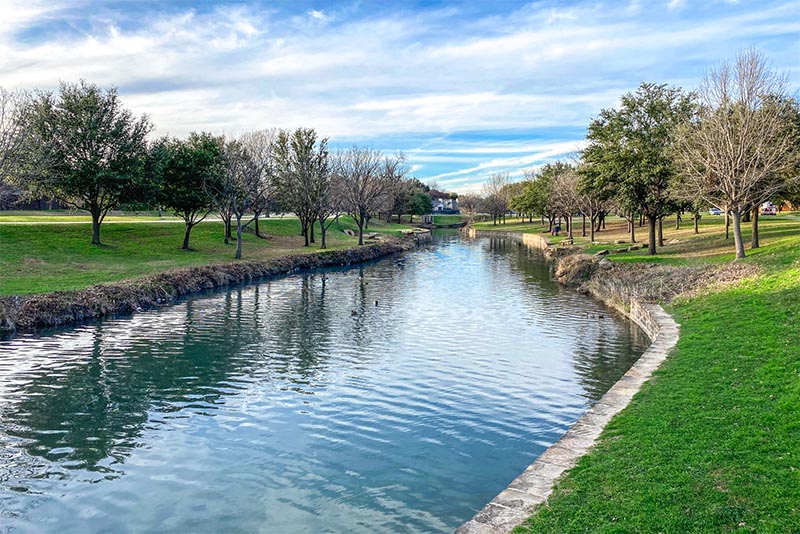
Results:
393 75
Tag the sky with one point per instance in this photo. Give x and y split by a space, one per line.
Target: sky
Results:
463 89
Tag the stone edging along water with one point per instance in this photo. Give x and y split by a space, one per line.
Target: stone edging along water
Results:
532 488
72 307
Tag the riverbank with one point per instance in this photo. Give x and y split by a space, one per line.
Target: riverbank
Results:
72 307
711 442
43 258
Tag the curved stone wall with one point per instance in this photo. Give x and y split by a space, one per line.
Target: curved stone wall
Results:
532 488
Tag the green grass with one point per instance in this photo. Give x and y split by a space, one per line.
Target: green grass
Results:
448 219
712 442
61 216
54 257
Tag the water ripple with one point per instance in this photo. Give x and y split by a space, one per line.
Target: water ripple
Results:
300 405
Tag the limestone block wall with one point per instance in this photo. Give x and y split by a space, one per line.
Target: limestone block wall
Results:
532 488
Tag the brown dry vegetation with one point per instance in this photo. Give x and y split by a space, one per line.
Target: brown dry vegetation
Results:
68 307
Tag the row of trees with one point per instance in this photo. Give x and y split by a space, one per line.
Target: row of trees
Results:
83 148
734 144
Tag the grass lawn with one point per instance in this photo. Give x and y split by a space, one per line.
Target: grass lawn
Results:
712 442
63 216
42 258
448 219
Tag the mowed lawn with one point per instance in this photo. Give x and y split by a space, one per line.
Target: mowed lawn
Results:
40 258
711 444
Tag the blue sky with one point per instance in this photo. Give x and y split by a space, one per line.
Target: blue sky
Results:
464 89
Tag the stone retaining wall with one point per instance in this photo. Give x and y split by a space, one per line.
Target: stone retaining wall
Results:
532 488
531 240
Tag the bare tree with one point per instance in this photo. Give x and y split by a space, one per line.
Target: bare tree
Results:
399 187
365 184
469 205
566 196
259 145
736 152
324 194
495 195
12 137
245 178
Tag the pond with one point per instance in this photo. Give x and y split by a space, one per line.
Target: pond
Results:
396 396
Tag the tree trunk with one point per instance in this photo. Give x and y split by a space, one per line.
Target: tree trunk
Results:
238 255
323 231
360 221
186 236
678 221
696 222
660 232
651 241
258 234
727 224
569 228
591 229
304 231
95 227
754 242
583 225
311 231
633 229
737 234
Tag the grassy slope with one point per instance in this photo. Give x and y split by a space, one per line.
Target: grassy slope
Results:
448 219
51 257
712 442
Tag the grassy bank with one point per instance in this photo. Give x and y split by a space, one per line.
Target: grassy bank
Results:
712 442
40 258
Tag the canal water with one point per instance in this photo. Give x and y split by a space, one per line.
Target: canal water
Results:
396 396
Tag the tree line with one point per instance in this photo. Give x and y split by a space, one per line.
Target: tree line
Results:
733 144
82 147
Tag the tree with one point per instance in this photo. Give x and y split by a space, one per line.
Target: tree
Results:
259 145
243 178
419 203
298 161
87 150
540 189
12 137
469 205
495 196
738 150
595 194
365 184
324 184
628 150
566 196
398 193
185 170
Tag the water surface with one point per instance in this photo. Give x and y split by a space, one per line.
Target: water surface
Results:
398 396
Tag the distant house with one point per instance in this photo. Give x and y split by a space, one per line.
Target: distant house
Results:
445 205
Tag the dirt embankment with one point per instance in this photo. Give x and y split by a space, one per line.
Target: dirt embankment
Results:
19 313
617 283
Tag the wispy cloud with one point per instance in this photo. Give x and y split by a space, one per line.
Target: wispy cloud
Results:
465 90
